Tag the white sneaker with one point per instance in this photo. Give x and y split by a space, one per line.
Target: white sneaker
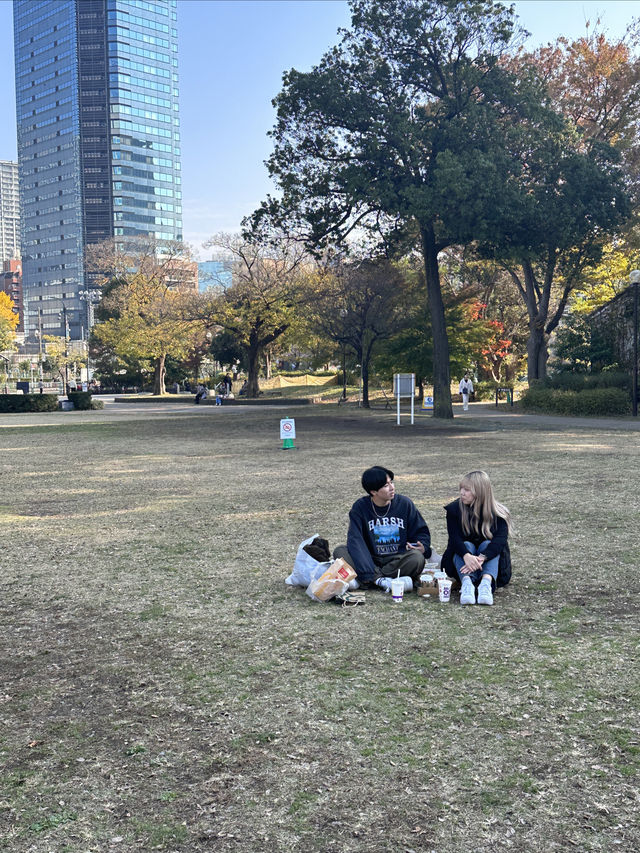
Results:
468 592
384 584
485 596
408 583
354 584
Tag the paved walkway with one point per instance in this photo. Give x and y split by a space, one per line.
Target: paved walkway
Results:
503 417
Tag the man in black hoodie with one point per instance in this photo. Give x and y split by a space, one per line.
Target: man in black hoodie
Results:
386 533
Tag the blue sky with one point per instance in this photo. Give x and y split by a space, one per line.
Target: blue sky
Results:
232 56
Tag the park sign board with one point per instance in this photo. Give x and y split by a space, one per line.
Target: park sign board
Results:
287 428
404 385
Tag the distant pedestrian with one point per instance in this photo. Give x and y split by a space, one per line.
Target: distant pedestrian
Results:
466 388
228 381
41 386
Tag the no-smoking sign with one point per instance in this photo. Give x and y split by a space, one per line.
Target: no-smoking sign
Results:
287 428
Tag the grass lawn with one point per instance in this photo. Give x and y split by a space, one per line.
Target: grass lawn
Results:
163 689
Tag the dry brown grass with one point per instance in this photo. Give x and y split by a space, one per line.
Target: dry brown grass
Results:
163 689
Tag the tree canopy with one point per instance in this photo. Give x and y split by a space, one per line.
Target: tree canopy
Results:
410 129
258 308
8 321
142 313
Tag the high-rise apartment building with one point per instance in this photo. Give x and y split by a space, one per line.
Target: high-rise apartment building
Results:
9 211
98 141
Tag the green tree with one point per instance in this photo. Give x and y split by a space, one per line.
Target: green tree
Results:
577 187
142 313
360 305
407 129
58 359
258 307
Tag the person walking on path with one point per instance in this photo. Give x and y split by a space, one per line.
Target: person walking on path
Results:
386 534
478 528
465 388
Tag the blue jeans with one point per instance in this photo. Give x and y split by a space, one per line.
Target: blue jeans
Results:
489 567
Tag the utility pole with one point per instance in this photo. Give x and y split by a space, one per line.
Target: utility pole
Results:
66 349
41 372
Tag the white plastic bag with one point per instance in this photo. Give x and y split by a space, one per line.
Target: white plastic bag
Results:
305 568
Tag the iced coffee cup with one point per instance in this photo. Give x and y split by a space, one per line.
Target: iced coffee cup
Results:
444 589
397 589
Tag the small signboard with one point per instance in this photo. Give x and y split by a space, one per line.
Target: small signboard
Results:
427 404
404 385
287 428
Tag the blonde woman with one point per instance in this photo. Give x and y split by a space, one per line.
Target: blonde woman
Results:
477 551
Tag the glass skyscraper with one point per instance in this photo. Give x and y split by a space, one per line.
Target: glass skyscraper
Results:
98 141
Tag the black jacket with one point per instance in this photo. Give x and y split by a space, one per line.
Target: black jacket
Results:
499 546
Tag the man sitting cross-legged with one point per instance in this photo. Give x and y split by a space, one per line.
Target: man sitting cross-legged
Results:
386 533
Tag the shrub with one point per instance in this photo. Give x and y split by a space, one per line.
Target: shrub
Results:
585 381
558 401
97 404
80 399
10 403
487 390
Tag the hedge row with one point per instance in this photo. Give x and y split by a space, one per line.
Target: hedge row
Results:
555 401
10 403
567 381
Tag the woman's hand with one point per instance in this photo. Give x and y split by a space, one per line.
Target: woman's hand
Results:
471 563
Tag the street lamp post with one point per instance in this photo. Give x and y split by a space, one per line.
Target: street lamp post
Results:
634 278
41 371
91 297
63 317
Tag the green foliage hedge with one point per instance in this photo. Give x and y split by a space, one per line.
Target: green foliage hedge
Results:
80 399
487 390
595 401
567 381
10 403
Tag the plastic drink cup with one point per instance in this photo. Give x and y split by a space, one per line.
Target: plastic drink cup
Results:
444 590
397 589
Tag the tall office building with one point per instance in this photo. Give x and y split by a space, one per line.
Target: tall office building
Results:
9 212
98 141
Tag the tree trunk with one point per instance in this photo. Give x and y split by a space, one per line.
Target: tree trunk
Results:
537 302
365 382
537 354
158 378
253 357
442 407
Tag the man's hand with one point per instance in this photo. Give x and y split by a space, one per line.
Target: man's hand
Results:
415 546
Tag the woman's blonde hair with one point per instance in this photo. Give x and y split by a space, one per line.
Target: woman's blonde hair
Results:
481 514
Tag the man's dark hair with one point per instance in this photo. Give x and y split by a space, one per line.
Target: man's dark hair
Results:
375 478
